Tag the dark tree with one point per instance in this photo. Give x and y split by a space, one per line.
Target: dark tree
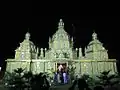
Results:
107 79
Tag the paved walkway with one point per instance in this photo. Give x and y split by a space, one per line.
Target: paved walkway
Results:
61 87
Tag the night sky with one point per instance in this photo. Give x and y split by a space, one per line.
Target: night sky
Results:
13 29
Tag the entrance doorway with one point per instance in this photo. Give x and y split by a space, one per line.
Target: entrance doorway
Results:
62 67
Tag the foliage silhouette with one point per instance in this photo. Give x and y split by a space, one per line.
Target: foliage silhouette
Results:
19 80
107 79
15 80
71 72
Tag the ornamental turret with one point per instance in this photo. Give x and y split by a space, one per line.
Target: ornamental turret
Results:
61 24
80 52
37 52
50 43
95 49
27 50
60 39
41 53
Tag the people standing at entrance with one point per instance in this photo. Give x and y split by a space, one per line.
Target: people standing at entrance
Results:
61 78
62 74
58 78
60 67
65 77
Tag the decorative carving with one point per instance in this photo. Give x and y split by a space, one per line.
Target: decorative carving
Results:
57 55
22 55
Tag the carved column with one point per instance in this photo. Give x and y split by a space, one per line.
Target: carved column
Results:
80 52
76 52
41 53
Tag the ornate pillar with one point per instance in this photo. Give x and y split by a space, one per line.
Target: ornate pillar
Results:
80 52
80 66
92 67
114 67
77 52
45 51
44 66
41 53
37 52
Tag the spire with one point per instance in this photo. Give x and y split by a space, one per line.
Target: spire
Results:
61 24
73 32
27 36
94 36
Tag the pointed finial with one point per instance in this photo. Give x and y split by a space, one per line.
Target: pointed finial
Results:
49 39
61 24
45 49
27 36
76 49
94 36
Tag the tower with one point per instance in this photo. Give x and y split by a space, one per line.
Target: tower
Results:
27 50
95 49
60 39
60 44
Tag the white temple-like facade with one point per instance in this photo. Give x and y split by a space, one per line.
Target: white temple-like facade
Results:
61 52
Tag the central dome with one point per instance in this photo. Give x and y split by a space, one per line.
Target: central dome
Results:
61 34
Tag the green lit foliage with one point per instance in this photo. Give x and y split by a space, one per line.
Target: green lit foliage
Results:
7 79
51 73
15 79
20 80
71 71
107 79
